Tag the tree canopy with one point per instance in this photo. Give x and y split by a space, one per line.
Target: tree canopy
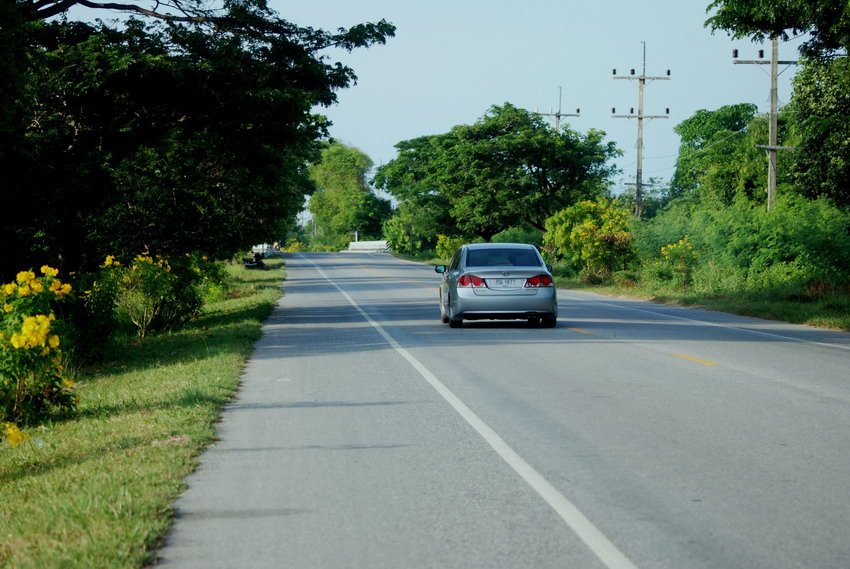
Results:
172 136
718 159
821 107
343 202
826 21
507 169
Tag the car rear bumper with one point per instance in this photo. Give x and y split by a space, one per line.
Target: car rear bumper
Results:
470 306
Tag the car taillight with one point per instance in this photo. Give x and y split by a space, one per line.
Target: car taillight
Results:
470 280
538 281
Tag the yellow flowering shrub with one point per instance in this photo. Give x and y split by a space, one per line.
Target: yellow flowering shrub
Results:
446 246
594 236
157 292
32 384
293 246
141 287
681 259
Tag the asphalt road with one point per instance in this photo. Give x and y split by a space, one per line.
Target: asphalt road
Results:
369 435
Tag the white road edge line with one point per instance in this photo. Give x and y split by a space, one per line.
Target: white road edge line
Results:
600 545
718 325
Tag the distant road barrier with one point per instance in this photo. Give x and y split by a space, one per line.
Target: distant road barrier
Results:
369 246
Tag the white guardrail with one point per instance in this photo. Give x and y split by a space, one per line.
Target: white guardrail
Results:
369 247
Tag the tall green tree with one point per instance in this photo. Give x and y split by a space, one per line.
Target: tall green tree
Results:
821 105
343 202
821 88
193 133
718 159
507 169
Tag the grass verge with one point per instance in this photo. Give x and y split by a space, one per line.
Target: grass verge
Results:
96 490
823 310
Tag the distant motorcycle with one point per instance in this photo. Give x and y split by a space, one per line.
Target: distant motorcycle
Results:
255 262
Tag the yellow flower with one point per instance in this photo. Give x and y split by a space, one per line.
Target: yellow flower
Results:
34 332
62 290
25 276
14 434
10 288
8 307
49 271
68 383
36 287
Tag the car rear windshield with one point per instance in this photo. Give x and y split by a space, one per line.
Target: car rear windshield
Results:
502 257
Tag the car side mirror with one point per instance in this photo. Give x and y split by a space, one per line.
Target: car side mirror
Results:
548 267
440 268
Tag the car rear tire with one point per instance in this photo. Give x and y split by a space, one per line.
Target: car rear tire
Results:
453 322
443 317
550 322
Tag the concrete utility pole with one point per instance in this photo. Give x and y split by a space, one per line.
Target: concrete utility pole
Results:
559 114
641 79
774 113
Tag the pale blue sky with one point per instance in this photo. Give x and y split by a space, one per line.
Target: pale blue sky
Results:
451 60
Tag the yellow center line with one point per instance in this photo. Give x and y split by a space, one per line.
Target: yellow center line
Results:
697 360
580 331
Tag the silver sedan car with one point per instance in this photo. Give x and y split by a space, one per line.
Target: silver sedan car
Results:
497 281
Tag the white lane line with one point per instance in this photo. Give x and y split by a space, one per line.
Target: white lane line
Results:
600 545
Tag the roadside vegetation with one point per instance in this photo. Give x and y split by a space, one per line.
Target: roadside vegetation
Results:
189 127
94 487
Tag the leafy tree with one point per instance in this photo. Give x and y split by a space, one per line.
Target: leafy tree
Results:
718 159
821 104
506 169
826 21
656 195
413 230
821 89
343 202
168 137
422 212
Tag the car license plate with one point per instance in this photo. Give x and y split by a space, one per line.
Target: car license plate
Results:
506 283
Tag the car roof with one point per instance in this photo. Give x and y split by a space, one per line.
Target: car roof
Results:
499 246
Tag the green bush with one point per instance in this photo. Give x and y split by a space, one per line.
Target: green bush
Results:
593 236
194 275
744 247
520 235
158 293
446 246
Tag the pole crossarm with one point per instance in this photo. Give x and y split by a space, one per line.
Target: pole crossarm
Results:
640 116
764 62
558 114
642 77
768 147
